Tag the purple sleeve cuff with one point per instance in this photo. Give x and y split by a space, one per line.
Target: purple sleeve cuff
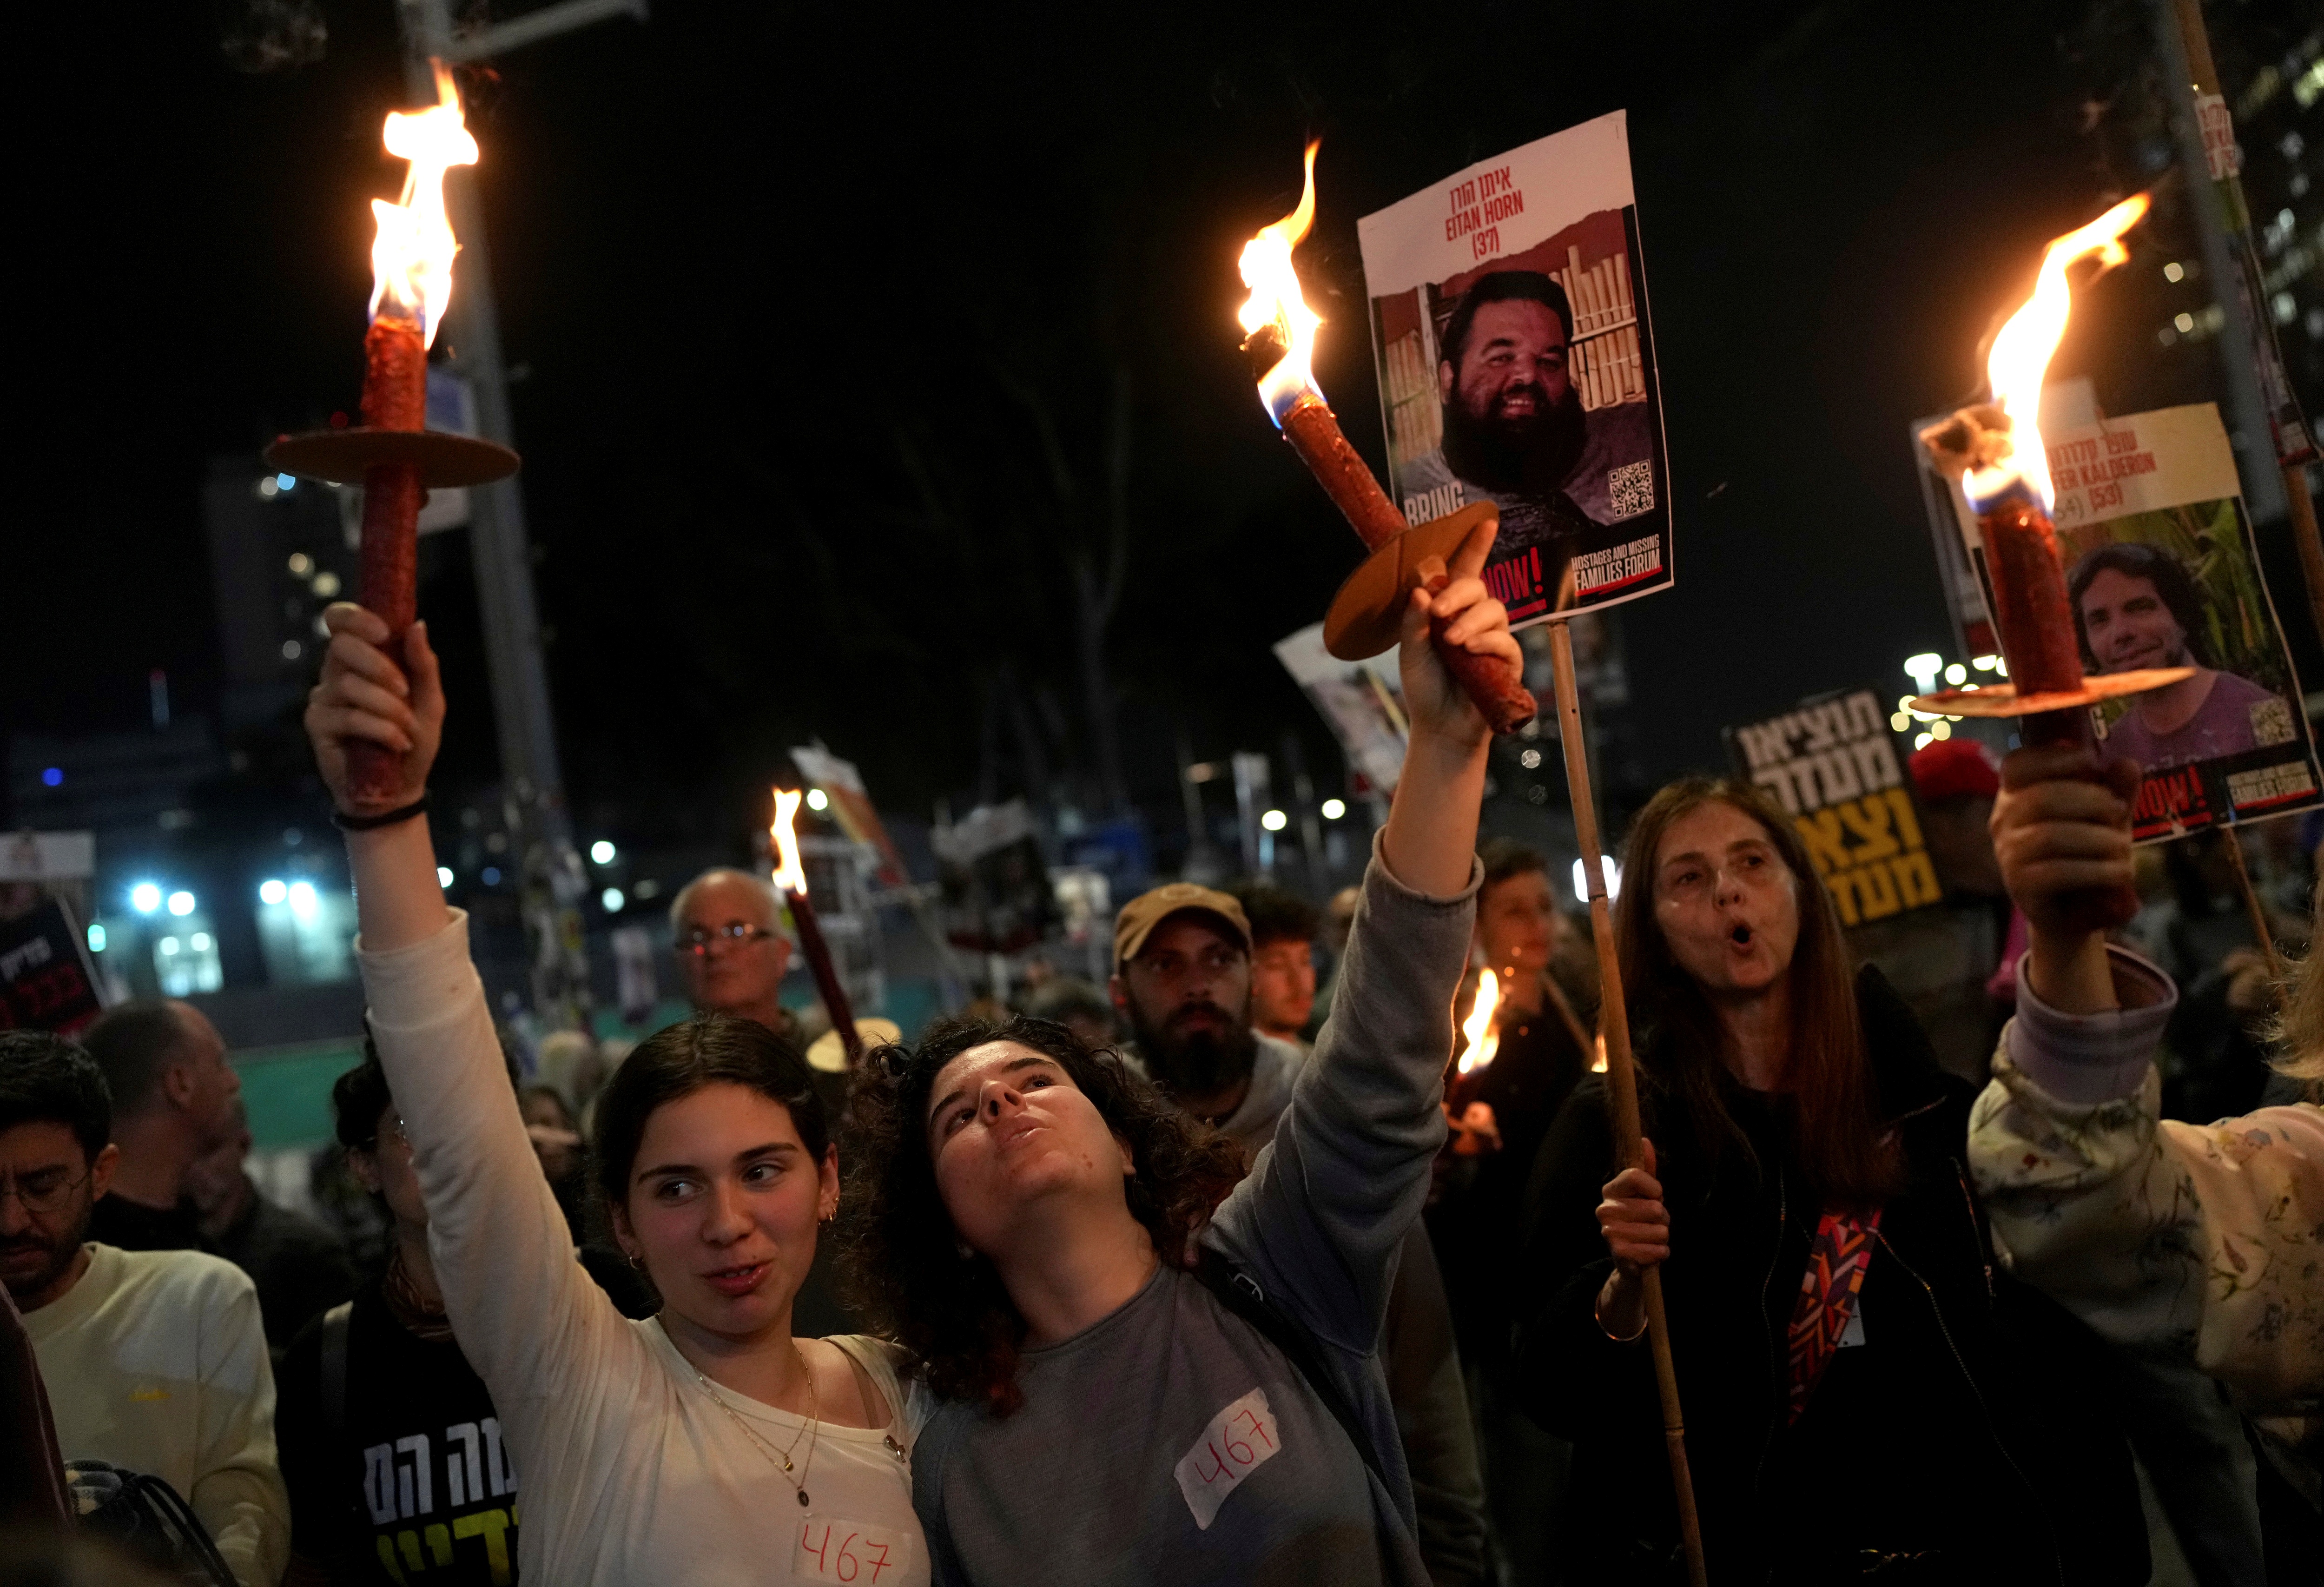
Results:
2084 1060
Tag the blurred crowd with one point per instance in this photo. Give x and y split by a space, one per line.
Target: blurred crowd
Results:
268 1394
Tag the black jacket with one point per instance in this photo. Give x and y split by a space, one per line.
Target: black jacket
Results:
1967 1439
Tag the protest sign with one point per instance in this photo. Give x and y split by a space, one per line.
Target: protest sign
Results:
1362 701
2161 571
46 981
1832 763
851 807
997 894
1516 366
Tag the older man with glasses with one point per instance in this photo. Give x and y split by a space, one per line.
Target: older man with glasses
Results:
732 957
730 952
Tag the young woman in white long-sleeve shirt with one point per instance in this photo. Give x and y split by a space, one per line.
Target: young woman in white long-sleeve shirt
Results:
703 1444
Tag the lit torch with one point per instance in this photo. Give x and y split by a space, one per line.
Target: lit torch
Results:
1367 612
393 456
1996 448
1477 1034
790 880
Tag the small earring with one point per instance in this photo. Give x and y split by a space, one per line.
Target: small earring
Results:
635 1262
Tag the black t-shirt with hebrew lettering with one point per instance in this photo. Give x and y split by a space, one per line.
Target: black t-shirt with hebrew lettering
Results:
415 1483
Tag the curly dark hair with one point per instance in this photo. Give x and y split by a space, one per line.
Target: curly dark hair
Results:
905 1267
678 1060
2172 584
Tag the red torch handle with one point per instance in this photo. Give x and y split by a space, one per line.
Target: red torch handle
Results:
826 976
1497 689
2036 621
394 397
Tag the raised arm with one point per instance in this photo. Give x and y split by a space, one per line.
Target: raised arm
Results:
2198 1241
527 1316
1321 1217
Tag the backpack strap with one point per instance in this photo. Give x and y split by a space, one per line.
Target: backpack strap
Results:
1240 1293
333 1364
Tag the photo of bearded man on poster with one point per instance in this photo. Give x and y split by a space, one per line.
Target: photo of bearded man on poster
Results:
1516 432
2136 605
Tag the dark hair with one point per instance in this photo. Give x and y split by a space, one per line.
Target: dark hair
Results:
904 1264
1843 1146
680 1059
47 1079
1068 997
564 1109
360 1096
1505 859
1276 914
133 1044
1502 286
2165 572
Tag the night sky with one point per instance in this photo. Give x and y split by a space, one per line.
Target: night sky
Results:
823 314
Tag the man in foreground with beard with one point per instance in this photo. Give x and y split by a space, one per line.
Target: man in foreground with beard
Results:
154 1360
1181 979
1515 430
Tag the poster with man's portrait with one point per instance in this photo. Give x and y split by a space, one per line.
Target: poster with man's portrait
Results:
1516 366
2161 571
1362 701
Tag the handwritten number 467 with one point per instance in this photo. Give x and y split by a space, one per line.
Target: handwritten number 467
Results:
842 1563
1241 1452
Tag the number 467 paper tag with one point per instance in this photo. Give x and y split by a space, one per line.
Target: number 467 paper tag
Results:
1240 1440
847 1551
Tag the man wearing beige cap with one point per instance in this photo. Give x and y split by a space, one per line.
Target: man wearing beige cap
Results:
1181 978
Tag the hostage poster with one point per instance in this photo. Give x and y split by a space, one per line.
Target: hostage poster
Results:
1362 701
2160 571
1832 763
1516 366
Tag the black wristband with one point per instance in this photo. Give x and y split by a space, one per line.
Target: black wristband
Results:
347 822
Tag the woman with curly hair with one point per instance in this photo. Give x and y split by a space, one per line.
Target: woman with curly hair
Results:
1023 1210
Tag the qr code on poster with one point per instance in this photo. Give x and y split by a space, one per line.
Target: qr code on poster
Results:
1630 489
2271 722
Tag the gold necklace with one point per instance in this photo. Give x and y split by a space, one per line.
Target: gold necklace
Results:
780 1457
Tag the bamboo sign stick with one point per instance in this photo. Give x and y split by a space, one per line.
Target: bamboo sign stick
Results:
1621 1080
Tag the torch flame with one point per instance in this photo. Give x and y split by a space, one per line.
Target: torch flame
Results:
1275 300
2021 352
411 254
790 876
1482 1041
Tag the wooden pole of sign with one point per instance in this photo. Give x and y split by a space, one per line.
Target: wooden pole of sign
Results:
2299 504
2262 935
1622 1078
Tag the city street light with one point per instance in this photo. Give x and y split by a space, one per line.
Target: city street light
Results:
613 900
144 898
1334 808
601 851
273 891
1613 880
181 902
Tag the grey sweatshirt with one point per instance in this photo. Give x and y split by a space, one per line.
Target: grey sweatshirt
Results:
1172 1441
1418 1349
